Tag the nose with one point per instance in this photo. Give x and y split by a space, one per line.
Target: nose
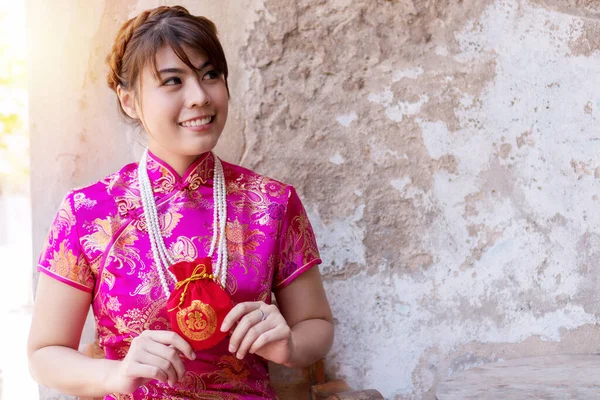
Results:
196 95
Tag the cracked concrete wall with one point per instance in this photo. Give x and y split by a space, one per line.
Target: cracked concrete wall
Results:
446 153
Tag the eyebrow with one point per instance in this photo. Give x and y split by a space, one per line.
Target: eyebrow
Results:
181 71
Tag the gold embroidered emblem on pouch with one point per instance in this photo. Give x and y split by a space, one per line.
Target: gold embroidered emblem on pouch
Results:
198 321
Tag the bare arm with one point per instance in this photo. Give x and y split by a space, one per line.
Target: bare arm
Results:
304 305
296 334
58 318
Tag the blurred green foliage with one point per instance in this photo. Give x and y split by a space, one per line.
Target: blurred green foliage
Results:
14 140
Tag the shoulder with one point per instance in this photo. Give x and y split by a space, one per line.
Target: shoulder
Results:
103 192
122 178
243 179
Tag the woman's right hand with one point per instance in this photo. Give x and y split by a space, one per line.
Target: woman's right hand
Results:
152 355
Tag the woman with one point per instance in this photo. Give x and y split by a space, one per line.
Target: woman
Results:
112 243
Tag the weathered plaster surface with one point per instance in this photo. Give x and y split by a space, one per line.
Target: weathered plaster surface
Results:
460 226
445 151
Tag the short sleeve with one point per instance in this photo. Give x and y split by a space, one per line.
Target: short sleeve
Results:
298 250
62 257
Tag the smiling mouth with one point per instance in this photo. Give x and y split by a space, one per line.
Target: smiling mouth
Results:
197 122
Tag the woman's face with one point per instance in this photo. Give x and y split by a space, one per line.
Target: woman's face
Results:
183 111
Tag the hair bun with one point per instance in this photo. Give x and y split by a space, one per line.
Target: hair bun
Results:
115 57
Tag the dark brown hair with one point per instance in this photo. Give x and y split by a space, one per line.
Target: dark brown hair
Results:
141 37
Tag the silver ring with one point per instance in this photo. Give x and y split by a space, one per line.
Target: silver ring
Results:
263 316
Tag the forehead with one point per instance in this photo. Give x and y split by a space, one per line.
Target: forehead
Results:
167 58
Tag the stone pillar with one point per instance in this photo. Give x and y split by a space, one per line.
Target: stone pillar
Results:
77 134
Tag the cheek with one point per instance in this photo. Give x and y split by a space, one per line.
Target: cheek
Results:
225 107
161 110
221 99
218 93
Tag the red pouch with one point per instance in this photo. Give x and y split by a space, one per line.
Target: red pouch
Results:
198 305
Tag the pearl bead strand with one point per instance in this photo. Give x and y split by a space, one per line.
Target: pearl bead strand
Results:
161 256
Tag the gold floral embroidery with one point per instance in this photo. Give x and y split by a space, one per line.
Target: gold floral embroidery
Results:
192 387
299 248
168 221
302 239
252 200
272 187
123 250
64 221
149 281
193 383
166 182
94 263
233 372
241 245
266 279
66 264
251 181
195 180
82 201
127 203
119 396
118 180
108 278
183 249
113 303
242 240
104 229
136 320
195 201
231 285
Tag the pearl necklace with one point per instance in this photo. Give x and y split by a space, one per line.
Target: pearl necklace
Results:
161 256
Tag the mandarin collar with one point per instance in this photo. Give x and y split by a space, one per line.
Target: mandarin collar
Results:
165 179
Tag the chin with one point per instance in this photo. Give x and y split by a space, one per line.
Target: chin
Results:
194 149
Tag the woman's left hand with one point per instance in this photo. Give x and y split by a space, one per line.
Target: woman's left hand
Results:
261 330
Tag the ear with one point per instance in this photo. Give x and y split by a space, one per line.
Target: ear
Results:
127 99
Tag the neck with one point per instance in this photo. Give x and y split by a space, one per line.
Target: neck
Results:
179 162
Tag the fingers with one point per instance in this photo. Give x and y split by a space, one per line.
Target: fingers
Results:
174 365
259 324
238 312
281 332
156 355
169 338
247 324
251 335
164 366
147 371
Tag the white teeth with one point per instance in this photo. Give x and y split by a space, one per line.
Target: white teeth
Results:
196 122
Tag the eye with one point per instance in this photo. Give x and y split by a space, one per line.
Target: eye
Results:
211 75
172 81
